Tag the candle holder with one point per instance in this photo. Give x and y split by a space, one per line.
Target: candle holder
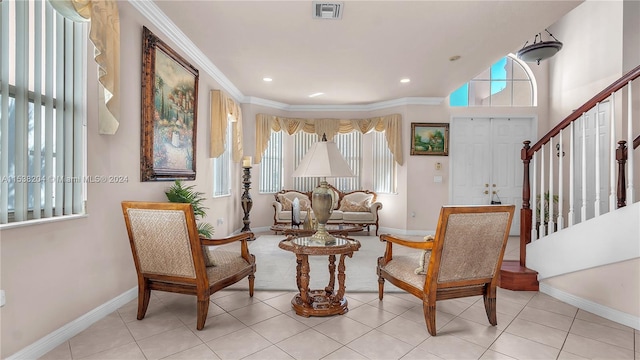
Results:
246 201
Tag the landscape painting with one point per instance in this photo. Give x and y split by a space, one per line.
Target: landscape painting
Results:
430 139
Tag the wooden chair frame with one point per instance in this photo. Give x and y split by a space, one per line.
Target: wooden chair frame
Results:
200 286
434 290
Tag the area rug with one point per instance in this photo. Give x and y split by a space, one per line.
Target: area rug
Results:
276 268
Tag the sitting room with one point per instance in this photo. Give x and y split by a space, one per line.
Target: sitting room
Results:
266 252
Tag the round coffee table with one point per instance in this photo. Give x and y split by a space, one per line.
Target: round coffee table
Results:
323 302
334 229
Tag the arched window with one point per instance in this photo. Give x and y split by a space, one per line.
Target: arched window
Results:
508 82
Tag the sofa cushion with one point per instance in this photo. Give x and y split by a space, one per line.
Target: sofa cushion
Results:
357 217
359 197
347 205
287 201
336 198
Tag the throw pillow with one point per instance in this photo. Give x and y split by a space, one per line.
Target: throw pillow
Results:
304 204
287 204
424 258
352 206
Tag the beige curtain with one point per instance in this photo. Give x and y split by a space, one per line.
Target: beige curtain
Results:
221 107
390 124
105 36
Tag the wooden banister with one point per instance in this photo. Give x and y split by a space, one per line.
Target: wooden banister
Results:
601 96
516 276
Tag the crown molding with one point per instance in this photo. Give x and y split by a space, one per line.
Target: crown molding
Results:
365 107
160 20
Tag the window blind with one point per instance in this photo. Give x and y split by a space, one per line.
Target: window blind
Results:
271 168
42 136
384 168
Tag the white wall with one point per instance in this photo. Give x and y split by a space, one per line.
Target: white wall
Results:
55 272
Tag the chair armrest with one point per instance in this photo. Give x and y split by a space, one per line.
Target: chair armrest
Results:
244 247
277 205
227 240
422 245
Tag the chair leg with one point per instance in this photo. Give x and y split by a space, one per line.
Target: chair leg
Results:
252 279
380 287
144 294
490 306
430 317
203 309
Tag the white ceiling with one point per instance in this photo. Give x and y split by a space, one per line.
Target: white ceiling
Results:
361 58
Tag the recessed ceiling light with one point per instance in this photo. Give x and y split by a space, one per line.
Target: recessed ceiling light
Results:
316 94
267 79
405 80
454 58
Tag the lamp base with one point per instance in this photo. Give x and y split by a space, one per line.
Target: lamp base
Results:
322 204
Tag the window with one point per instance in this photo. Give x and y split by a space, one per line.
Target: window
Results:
222 167
350 146
508 82
42 112
271 168
302 142
384 167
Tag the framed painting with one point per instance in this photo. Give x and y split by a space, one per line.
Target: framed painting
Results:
430 139
169 113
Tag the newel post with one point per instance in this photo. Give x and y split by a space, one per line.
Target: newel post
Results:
525 212
621 157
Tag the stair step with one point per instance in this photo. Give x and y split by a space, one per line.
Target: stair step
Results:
516 277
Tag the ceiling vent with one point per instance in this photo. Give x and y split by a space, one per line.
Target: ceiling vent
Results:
326 10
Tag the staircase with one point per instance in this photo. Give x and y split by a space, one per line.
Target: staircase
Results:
582 177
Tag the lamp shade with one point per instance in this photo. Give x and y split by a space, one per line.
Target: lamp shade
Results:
323 160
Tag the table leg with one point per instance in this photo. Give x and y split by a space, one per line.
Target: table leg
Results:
304 279
341 277
332 275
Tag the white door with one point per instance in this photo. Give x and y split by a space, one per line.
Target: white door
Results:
485 161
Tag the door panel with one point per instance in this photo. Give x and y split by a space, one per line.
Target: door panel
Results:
486 151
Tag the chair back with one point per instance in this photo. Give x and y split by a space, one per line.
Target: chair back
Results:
164 239
469 244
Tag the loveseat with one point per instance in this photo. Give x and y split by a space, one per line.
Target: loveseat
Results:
356 207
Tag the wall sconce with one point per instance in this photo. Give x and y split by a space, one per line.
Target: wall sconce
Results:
558 151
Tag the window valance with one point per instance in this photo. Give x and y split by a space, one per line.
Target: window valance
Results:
390 124
222 106
105 36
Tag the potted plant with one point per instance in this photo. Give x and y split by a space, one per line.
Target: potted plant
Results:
545 212
178 193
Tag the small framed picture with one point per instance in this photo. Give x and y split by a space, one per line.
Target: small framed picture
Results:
430 139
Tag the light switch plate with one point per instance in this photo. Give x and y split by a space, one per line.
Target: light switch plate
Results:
437 179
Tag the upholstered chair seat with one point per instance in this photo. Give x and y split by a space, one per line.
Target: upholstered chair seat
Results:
463 259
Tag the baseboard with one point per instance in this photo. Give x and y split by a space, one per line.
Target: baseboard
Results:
592 307
54 339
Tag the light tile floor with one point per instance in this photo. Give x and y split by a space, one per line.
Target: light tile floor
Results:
531 325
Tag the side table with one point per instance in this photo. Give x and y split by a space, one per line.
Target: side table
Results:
324 302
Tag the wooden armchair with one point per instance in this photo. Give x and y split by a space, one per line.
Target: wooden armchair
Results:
170 256
463 259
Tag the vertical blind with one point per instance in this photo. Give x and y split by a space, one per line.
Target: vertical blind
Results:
302 142
384 168
271 168
350 146
42 112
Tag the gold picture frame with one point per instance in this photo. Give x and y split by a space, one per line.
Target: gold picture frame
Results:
169 113
430 139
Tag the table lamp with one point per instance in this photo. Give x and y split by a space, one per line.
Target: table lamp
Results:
323 160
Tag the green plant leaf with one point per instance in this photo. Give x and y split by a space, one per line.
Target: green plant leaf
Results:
178 193
206 230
